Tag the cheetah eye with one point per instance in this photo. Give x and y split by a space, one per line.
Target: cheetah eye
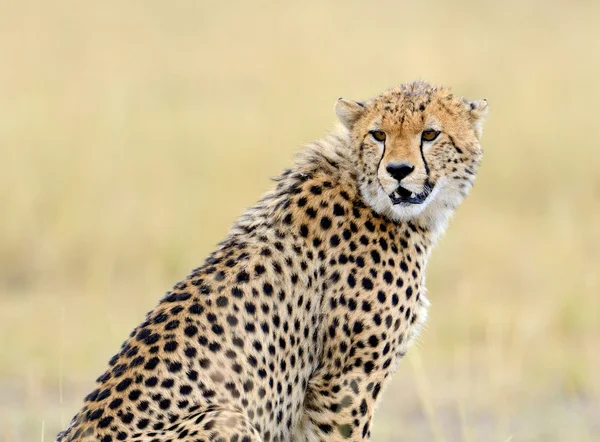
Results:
429 134
379 135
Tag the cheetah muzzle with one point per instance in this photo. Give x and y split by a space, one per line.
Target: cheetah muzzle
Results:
402 196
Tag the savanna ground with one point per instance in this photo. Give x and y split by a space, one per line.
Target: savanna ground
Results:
133 133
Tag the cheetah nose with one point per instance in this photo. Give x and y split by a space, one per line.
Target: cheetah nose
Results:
399 171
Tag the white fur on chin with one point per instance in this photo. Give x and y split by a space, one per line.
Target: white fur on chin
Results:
435 211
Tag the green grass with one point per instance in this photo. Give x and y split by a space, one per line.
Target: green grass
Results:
133 133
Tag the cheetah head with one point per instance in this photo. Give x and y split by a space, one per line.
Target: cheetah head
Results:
416 148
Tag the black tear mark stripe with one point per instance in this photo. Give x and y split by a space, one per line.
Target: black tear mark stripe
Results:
423 158
382 155
458 149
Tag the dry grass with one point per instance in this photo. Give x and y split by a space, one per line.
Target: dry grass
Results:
133 133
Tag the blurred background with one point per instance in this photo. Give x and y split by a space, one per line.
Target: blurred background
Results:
132 134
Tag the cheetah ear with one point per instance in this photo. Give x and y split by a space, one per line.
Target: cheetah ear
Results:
478 110
348 112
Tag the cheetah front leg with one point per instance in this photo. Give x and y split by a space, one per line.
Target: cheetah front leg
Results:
217 425
340 408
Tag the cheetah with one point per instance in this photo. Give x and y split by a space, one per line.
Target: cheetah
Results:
291 328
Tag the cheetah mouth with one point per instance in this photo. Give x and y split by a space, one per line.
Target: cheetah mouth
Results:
405 196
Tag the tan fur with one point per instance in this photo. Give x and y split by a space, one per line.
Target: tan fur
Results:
291 328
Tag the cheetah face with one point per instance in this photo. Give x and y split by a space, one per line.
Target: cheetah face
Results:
416 148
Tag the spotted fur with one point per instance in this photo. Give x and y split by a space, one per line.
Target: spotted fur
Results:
291 328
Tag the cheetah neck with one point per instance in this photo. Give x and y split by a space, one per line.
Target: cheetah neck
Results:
328 161
324 170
